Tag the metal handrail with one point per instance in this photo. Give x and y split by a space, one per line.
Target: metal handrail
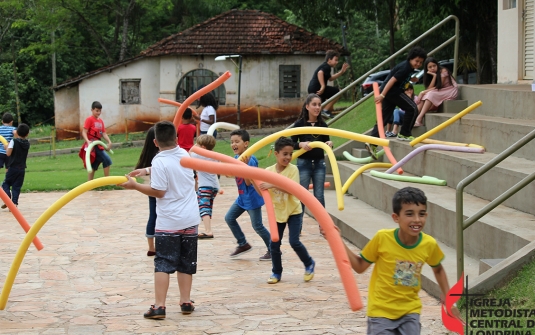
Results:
464 224
364 76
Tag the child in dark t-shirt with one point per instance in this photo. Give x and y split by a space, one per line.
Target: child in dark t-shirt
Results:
392 95
17 150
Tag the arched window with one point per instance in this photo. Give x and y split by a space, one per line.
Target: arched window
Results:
195 80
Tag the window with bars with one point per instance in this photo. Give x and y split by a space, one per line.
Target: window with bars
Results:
197 79
289 81
130 94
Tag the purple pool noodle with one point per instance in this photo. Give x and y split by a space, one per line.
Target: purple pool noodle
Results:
433 147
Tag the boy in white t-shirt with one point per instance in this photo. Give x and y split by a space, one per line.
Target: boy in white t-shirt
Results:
208 186
177 212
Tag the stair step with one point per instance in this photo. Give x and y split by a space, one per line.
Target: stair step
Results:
504 227
494 133
506 101
360 231
455 166
486 264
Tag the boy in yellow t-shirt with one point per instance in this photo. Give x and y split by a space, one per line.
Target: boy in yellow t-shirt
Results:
399 256
287 212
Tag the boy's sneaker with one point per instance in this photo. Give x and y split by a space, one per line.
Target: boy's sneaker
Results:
155 313
4 206
372 149
241 250
274 278
405 138
325 113
187 307
390 134
266 257
309 271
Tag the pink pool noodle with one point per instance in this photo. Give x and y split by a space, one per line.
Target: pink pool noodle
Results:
270 210
322 216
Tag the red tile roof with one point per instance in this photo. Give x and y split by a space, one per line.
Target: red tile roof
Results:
245 32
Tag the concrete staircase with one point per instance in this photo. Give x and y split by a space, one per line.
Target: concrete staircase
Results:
496 237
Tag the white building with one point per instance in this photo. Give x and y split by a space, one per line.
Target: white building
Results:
279 60
516 41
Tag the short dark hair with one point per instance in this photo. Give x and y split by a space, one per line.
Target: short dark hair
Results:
23 130
7 117
330 54
207 141
241 133
283 142
165 133
187 114
408 195
96 104
417 52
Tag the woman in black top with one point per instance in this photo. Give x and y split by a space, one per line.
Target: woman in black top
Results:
311 164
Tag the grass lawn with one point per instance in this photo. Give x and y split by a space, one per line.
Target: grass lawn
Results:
65 172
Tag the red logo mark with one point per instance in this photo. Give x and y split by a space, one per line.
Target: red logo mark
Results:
450 321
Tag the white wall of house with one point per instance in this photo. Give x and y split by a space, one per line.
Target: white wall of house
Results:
105 87
259 83
159 78
515 53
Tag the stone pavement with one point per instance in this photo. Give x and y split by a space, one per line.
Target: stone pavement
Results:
93 277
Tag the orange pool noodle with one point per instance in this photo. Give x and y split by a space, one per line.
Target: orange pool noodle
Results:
216 83
381 128
324 219
270 210
18 215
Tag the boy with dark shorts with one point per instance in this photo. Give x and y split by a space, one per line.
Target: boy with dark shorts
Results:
7 131
399 256
17 150
177 219
94 130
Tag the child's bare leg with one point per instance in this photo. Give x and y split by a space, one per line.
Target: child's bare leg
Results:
207 221
106 171
395 129
91 175
330 105
425 108
161 285
150 241
184 285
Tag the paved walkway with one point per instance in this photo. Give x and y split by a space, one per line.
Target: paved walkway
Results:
93 277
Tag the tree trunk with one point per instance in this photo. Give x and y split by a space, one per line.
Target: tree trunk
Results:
16 83
392 13
126 17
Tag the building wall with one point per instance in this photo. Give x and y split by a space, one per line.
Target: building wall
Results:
259 84
105 88
510 42
160 77
67 112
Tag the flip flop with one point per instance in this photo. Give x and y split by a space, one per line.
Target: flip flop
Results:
204 235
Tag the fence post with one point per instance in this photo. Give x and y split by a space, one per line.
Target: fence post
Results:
258 111
53 139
